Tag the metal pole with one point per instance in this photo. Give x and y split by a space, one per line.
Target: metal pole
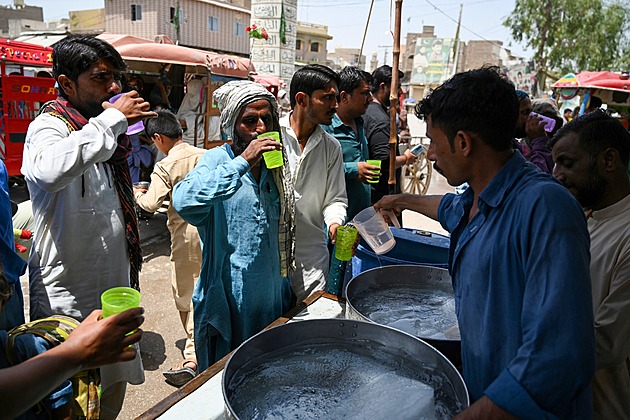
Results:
393 100
365 32
177 23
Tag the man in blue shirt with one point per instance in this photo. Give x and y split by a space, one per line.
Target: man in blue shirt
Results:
347 128
519 257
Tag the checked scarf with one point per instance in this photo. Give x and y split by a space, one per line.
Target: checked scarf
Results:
63 110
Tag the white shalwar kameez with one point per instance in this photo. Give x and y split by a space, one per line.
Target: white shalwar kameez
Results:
79 246
320 200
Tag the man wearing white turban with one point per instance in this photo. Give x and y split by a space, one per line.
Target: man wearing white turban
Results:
244 214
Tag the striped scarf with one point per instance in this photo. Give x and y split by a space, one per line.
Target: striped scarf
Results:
286 227
73 119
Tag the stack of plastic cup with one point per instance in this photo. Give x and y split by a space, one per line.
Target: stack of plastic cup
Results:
119 299
375 163
273 159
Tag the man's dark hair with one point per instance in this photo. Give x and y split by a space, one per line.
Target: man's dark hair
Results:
594 103
383 74
597 131
165 123
77 53
477 101
310 78
351 78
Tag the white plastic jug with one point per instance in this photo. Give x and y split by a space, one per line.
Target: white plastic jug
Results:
374 230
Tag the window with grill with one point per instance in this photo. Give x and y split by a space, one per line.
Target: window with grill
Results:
315 47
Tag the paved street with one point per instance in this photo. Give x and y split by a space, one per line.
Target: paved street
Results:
163 340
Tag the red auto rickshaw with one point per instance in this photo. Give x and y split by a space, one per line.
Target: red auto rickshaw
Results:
26 83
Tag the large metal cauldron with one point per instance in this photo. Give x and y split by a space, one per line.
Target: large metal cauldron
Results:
413 298
340 368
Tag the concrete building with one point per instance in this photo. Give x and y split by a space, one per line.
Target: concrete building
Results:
373 63
206 24
273 56
311 43
20 17
343 57
470 55
480 52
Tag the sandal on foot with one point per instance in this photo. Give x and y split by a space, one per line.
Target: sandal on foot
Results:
181 375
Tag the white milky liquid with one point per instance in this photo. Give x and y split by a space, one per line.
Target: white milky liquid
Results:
421 312
340 380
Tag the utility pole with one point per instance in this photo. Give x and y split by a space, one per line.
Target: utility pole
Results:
455 48
367 24
176 21
387 47
456 43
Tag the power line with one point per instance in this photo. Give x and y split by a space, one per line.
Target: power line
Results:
468 29
336 4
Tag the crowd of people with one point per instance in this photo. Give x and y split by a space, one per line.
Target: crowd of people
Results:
539 251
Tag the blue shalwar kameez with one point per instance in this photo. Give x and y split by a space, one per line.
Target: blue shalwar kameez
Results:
240 290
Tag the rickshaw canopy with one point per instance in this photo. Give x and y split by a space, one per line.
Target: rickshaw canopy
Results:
148 56
596 80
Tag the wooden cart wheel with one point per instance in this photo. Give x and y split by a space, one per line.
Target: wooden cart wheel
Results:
416 177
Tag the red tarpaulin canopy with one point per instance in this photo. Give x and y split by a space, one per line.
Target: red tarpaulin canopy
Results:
267 80
146 51
595 79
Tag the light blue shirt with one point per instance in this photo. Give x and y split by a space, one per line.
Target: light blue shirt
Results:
240 290
520 271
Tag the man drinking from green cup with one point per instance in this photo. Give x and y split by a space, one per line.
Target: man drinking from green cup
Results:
244 212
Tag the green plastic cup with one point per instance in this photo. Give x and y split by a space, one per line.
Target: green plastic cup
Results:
273 159
346 235
375 163
119 299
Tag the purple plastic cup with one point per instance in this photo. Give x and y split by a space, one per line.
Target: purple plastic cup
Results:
134 128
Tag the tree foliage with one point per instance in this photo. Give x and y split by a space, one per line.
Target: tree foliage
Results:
573 36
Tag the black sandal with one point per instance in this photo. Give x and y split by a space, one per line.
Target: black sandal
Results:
182 375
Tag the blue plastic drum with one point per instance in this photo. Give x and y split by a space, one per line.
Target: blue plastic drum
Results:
413 246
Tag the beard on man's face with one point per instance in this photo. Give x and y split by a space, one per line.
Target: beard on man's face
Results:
239 144
591 193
